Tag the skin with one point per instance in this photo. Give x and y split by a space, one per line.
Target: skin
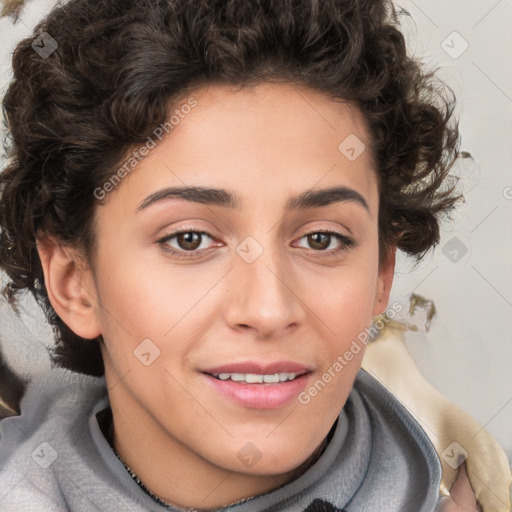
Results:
292 303
462 497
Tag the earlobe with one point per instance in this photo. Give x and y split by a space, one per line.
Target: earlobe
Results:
70 287
385 281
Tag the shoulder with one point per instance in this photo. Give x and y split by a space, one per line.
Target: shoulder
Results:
19 494
52 423
450 429
387 406
398 443
390 416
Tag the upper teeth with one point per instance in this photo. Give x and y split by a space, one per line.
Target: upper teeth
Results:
252 378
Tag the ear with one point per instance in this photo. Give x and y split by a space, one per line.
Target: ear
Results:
70 286
384 282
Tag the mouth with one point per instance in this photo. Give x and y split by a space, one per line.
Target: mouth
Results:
255 378
257 386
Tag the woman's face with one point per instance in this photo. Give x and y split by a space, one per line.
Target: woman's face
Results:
276 272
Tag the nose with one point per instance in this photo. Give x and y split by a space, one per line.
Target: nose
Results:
263 296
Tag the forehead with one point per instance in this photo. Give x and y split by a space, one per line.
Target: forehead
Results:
264 141
277 113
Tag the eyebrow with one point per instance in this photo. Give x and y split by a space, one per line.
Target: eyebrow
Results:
312 198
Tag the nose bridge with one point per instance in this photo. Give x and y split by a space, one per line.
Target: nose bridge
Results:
262 287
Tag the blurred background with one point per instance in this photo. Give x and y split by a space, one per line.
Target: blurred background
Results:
467 352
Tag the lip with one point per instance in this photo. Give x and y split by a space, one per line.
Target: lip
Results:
259 368
260 395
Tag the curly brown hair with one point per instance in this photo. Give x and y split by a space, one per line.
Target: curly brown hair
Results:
121 65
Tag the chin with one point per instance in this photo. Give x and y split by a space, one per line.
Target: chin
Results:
280 462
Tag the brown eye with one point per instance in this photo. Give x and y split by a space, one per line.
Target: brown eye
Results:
319 241
189 241
186 243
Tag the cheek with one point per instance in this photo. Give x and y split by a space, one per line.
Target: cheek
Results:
140 297
131 308
345 301
147 300
347 321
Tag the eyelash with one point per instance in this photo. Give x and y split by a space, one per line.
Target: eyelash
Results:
346 242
